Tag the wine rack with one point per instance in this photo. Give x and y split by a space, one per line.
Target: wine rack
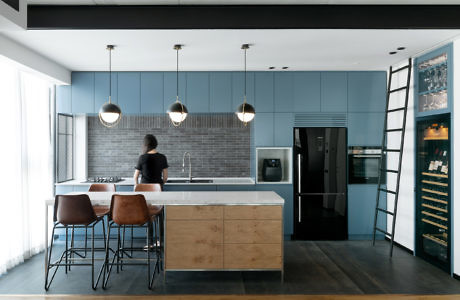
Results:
433 191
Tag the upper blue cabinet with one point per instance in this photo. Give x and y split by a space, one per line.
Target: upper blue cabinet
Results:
197 92
367 91
284 91
264 83
333 91
238 89
101 89
64 99
82 92
307 91
152 93
220 92
170 88
129 92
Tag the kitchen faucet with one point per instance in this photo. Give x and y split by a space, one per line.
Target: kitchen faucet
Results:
189 164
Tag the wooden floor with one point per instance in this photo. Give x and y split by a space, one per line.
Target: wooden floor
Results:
238 297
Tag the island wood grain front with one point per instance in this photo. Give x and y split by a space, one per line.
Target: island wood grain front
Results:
220 237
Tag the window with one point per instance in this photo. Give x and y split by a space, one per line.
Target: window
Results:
64 148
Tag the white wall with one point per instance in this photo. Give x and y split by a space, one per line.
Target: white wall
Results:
455 133
11 19
405 220
80 147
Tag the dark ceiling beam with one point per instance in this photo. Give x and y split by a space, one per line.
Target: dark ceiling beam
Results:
244 17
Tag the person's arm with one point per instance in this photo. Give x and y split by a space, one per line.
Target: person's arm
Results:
136 177
165 175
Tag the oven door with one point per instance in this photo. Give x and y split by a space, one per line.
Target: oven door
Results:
364 168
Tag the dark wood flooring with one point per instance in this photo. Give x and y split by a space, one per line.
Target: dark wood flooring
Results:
315 268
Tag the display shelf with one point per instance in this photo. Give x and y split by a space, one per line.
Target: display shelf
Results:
433 91
435 239
435 175
283 154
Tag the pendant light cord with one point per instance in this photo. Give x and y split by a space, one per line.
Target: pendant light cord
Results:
177 75
110 75
245 76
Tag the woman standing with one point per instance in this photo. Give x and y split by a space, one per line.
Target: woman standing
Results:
153 166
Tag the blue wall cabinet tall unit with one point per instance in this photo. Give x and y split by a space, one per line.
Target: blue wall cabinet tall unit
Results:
365 129
170 88
152 93
367 92
238 89
101 89
82 92
264 82
220 92
307 91
64 99
283 129
129 92
284 91
334 91
263 129
197 92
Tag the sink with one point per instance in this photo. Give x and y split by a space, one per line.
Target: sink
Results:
190 181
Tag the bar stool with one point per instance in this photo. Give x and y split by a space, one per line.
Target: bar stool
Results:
129 210
157 210
75 211
101 210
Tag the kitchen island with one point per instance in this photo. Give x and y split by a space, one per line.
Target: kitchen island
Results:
241 230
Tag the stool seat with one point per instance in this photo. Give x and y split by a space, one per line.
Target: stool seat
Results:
155 210
101 210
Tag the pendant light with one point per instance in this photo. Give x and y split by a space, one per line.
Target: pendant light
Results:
177 111
245 111
109 113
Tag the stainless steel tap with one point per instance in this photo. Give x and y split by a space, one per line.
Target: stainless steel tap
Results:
189 164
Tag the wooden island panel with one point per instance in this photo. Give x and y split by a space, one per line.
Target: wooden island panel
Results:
253 212
252 256
252 232
195 212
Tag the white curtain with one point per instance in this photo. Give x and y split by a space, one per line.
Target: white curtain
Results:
26 160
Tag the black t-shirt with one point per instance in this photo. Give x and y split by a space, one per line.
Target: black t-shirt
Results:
151 167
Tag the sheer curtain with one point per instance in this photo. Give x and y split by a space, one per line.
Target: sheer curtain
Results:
26 160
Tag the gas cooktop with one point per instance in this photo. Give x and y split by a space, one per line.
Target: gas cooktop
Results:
104 179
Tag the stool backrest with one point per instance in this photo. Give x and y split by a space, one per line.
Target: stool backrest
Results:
147 187
129 209
73 210
102 187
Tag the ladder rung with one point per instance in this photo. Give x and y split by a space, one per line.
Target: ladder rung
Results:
394 129
391 150
398 89
396 109
387 191
390 171
383 231
400 69
385 211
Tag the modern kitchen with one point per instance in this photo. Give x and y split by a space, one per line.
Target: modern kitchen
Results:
295 156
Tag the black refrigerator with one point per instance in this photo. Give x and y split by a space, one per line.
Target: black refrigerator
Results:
320 183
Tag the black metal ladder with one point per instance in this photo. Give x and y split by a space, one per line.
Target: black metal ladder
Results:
386 150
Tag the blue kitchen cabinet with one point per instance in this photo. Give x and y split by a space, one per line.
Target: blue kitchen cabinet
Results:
365 129
152 93
82 92
264 91
263 129
361 211
189 188
238 89
307 91
101 89
64 99
63 189
129 92
235 188
197 92
124 188
283 129
334 91
220 92
170 88
286 192
284 91
367 91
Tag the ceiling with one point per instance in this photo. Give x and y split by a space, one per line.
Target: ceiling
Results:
234 2
219 50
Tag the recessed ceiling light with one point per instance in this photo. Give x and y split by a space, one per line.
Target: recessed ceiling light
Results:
401 48
285 68
392 52
271 68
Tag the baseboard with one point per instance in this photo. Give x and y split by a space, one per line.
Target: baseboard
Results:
365 237
401 246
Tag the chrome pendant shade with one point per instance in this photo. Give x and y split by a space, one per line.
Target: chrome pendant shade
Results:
110 113
245 111
177 111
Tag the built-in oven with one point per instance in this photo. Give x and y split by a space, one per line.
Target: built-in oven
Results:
363 164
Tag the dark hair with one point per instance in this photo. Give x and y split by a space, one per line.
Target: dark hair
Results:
150 143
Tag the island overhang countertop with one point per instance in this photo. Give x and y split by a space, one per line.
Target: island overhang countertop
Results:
192 198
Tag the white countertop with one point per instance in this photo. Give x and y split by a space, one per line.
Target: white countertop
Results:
191 198
216 181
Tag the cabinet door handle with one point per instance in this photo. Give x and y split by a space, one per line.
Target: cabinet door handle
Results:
299 185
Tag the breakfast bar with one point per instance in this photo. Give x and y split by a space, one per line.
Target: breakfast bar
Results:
238 230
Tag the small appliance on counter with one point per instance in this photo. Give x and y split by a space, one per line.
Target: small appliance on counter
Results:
104 179
271 169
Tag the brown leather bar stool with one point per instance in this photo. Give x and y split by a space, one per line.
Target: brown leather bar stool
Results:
101 210
74 211
129 210
156 210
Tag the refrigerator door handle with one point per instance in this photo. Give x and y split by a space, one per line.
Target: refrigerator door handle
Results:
299 185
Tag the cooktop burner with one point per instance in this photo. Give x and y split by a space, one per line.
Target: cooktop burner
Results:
104 179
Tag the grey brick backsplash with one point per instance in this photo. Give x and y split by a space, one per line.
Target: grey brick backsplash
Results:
219 145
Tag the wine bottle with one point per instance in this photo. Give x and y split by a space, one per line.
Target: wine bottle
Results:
444 163
431 166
